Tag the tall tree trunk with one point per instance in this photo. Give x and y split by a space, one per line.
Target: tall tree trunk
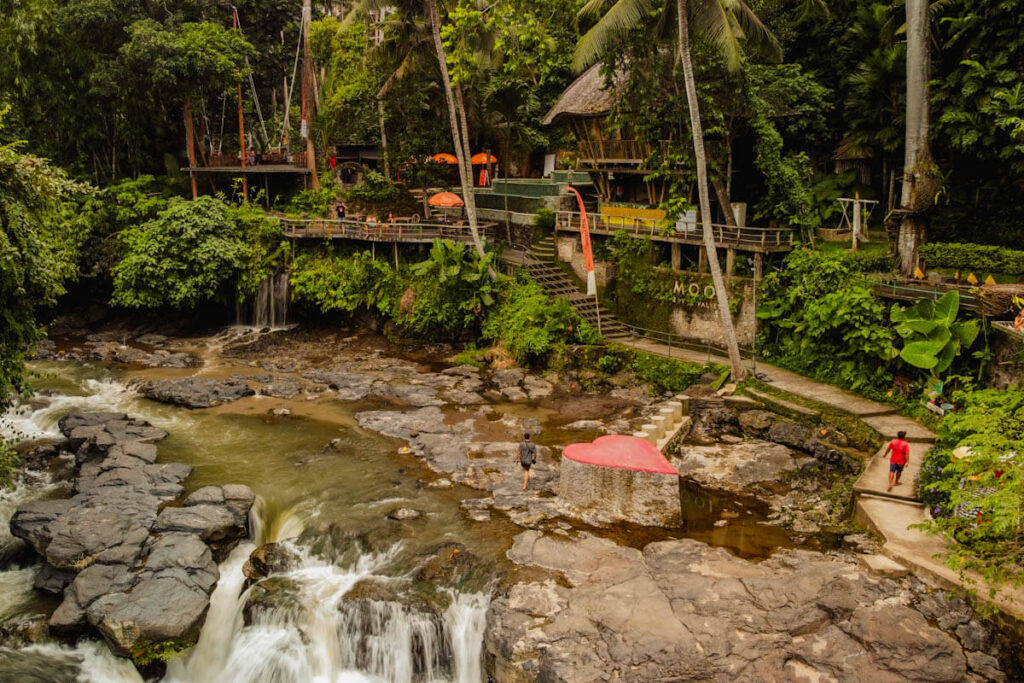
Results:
912 227
190 143
457 136
307 87
383 139
738 371
722 192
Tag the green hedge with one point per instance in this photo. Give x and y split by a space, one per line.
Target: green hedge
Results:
974 257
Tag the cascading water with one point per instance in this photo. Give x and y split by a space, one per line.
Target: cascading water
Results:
320 634
268 307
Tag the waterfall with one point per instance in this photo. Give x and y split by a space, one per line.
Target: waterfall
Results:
268 307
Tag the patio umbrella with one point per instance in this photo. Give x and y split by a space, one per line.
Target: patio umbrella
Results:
446 200
481 158
445 158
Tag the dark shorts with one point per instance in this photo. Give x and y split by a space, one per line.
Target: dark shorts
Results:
526 466
893 467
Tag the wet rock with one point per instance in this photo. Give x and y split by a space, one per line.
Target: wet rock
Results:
442 483
19 633
449 564
682 610
974 635
712 418
985 666
462 371
789 433
196 392
212 523
270 558
53 581
156 610
404 514
411 394
208 495
281 389
757 422
512 377
514 393
463 398
269 595
350 386
735 466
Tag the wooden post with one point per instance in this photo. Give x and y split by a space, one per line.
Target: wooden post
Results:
677 256
758 265
190 140
702 261
730 262
856 220
307 76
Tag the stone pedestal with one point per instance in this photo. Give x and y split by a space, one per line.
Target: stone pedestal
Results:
619 478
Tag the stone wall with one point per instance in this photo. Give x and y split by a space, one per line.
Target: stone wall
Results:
599 495
570 251
698 324
703 322
1007 369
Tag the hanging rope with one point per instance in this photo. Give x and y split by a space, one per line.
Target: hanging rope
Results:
252 83
291 90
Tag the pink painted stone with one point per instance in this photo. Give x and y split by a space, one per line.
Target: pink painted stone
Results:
621 452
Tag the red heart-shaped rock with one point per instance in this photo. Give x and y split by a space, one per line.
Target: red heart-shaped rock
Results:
620 451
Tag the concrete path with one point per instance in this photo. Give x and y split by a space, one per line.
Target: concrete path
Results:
925 554
875 478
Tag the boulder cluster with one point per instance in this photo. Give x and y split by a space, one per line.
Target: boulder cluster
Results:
132 558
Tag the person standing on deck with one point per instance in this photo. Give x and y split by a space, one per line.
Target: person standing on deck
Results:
525 456
900 450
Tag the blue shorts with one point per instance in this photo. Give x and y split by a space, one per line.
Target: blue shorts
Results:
898 469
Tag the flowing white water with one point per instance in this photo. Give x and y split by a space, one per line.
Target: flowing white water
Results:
315 637
268 307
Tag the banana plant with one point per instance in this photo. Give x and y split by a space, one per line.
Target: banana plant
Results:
932 337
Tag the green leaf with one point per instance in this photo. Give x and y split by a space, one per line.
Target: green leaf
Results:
922 354
946 308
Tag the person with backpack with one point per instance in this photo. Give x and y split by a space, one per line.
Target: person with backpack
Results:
526 454
900 450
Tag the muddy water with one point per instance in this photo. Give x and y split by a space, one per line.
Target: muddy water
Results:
316 468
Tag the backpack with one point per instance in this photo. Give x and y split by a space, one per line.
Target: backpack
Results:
527 453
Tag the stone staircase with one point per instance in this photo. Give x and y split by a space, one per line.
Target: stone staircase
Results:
541 263
667 420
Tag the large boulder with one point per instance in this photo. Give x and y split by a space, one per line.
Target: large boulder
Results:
196 392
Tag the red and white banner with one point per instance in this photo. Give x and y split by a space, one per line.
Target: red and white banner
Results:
588 252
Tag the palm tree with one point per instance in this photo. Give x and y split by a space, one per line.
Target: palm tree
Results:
916 156
723 22
460 129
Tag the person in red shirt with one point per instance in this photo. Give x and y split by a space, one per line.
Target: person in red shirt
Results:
900 450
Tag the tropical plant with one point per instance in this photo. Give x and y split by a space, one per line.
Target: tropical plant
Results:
38 250
932 336
453 289
192 252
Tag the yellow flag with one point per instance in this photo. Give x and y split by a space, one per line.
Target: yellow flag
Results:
918 274
956 275
973 280
990 280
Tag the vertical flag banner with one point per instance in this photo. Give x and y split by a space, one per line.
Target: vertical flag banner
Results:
588 252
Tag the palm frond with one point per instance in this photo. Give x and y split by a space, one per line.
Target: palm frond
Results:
622 16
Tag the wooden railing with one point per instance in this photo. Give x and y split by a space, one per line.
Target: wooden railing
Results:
749 237
377 231
632 151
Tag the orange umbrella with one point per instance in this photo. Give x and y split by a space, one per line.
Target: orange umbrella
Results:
445 158
446 200
482 158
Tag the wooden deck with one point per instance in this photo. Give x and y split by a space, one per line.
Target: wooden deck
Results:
255 169
758 240
399 231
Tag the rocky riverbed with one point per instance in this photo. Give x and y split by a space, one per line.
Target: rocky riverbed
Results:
130 556
393 508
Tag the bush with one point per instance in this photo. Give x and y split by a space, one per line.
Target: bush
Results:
988 485
821 319
193 252
544 220
977 258
531 323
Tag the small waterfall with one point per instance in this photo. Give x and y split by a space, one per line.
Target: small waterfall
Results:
37 418
268 307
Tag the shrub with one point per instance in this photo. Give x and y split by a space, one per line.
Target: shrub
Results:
531 323
544 220
974 257
193 252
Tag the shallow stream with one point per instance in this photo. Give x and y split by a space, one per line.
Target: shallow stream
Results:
314 471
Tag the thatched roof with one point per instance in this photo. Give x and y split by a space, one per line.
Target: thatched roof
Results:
586 96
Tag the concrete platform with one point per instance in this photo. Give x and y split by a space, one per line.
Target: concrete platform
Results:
889 425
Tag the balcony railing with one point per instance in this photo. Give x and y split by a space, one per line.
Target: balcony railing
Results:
745 237
401 230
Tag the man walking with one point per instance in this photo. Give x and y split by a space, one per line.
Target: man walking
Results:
525 455
900 450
